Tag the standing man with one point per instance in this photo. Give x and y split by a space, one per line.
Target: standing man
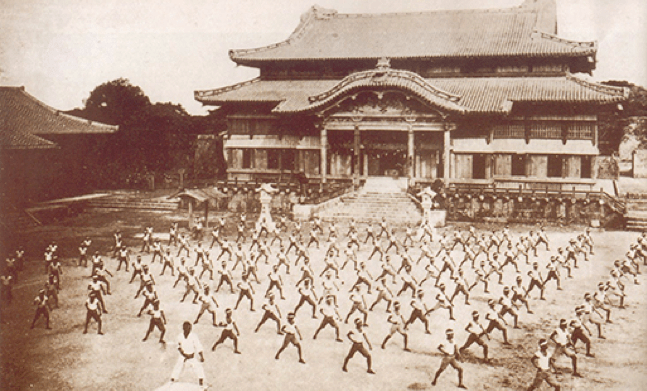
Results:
158 319
42 308
291 331
272 311
562 340
330 313
189 345
230 326
357 337
419 311
450 357
544 362
209 304
94 310
476 333
122 257
397 322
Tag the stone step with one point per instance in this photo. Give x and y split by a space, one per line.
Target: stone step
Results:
18 221
637 207
123 205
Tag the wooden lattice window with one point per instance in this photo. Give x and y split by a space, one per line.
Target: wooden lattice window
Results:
509 130
580 131
546 130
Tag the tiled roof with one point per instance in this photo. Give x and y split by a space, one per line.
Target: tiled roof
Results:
23 140
21 112
326 34
464 94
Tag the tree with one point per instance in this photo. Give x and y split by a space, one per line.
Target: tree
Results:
612 125
117 102
152 138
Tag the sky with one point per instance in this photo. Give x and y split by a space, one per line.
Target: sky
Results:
60 50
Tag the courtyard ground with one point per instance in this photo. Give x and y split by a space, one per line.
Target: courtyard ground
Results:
64 358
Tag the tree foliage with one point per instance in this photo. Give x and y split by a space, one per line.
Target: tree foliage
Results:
153 139
117 102
612 125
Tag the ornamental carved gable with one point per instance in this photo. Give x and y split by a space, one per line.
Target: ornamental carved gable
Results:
373 104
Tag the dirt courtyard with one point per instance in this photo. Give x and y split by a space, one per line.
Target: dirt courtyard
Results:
66 359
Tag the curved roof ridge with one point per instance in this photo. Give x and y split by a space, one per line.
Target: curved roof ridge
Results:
397 73
207 93
446 11
384 76
307 17
555 38
59 113
319 13
602 88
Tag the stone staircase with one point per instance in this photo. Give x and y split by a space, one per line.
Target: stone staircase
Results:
378 198
18 221
636 215
125 202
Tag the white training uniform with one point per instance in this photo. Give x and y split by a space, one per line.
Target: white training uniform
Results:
190 345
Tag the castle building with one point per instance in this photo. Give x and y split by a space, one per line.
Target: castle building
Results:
468 96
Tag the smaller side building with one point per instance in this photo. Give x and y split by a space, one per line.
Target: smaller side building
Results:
44 153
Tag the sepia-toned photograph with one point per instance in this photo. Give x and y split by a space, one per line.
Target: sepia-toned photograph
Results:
343 195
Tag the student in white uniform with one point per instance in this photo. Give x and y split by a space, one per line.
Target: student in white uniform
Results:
189 346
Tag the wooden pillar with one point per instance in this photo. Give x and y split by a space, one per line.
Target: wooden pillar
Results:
190 213
356 153
324 153
206 214
410 152
446 153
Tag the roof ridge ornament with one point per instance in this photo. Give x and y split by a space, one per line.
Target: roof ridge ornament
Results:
383 63
602 88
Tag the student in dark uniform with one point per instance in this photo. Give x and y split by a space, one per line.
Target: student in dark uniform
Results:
397 326
273 312
476 333
230 327
94 310
158 319
291 332
330 317
358 337
544 362
42 309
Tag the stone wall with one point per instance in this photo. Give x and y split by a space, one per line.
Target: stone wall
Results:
249 201
640 163
564 211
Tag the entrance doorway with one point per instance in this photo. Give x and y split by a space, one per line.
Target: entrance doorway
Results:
386 162
478 166
385 153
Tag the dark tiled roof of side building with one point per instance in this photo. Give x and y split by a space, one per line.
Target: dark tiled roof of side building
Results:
14 140
510 32
474 94
21 112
